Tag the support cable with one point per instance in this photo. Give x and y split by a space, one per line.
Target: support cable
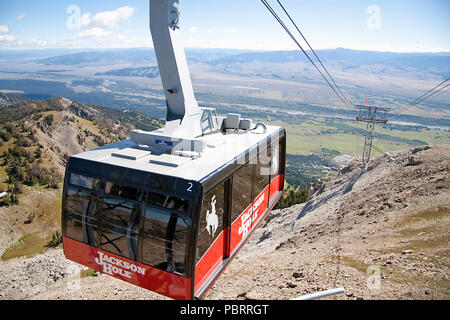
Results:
275 15
312 50
423 97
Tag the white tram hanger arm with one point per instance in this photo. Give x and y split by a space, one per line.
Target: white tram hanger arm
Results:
183 112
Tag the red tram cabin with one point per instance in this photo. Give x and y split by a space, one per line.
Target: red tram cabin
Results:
171 223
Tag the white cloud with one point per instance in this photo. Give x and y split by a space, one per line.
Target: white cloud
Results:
85 20
94 33
4 34
107 19
6 37
232 30
99 24
4 29
193 30
21 17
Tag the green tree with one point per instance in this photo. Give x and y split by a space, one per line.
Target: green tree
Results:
49 119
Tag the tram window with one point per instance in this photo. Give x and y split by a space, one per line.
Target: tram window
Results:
81 216
275 168
277 157
172 203
164 239
262 173
122 191
120 227
85 182
177 204
211 219
242 191
156 199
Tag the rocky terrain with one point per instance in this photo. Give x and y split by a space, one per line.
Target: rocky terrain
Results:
380 233
7 99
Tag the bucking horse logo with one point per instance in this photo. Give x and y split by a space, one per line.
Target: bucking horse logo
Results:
212 221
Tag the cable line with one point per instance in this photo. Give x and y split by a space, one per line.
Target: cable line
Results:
312 50
423 97
267 5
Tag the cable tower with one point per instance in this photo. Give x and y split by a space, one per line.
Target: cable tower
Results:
369 115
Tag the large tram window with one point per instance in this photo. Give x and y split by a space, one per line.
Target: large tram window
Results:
156 199
278 154
262 174
85 182
177 204
172 203
164 238
275 168
122 191
120 227
242 191
81 216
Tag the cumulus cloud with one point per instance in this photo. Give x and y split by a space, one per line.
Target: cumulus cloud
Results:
99 24
232 30
94 32
193 30
4 29
21 17
107 19
4 34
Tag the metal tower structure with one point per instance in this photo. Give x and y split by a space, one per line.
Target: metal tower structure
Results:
186 122
368 114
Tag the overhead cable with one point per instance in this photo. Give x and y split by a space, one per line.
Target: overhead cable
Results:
280 21
312 50
423 97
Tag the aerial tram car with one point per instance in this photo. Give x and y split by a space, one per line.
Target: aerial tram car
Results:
168 210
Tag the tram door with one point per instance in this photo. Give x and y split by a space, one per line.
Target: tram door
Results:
241 206
213 238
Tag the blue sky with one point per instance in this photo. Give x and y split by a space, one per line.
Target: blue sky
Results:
396 25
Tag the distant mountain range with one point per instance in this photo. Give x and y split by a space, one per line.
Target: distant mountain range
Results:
343 56
343 59
140 56
437 64
150 72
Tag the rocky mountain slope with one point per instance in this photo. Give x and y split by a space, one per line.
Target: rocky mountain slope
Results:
36 140
381 233
6 100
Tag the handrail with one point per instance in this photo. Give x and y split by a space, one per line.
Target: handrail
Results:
321 294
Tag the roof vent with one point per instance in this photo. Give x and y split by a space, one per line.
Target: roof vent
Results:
232 121
169 160
131 154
